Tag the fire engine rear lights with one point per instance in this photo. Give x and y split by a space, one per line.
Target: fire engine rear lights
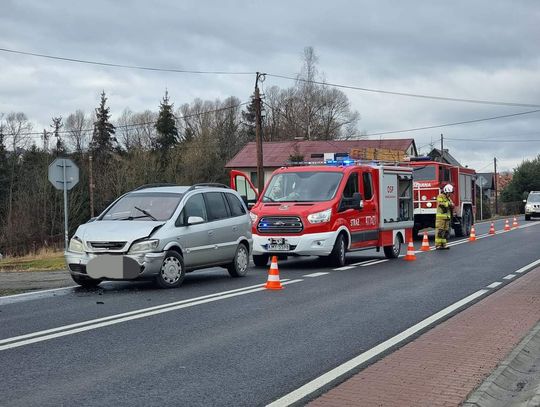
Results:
424 197
429 204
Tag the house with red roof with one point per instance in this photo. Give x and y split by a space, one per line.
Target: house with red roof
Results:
279 153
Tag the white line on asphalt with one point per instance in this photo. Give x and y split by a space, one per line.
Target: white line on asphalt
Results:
33 293
346 367
374 262
127 316
509 277
321 273
363 262
333 374
528 266
494 285
344 268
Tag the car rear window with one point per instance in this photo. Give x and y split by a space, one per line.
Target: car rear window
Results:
235 205
215 206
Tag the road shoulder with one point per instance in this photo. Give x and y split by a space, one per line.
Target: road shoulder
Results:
444 365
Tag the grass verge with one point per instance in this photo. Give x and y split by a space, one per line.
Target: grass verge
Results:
40 262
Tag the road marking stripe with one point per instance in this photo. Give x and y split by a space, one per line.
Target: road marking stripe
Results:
346 367
34 293
363 262
494 285
374 262
321 273
509 277
344 268
125 314
333 374
131 318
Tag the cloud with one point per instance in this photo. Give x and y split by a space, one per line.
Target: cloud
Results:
481 50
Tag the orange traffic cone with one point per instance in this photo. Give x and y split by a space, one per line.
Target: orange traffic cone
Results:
425 243
506 225
472 236
515 223
410 252
492 229
273 282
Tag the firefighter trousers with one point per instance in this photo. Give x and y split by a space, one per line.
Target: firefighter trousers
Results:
442 230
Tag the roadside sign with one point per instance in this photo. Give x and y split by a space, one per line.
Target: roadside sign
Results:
58 177
64 174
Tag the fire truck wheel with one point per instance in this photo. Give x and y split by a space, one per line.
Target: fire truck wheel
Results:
464 228
260 260
337 257
392 252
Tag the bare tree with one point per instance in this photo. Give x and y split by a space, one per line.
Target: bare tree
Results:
76 127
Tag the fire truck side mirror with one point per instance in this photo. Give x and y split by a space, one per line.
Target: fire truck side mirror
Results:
357 202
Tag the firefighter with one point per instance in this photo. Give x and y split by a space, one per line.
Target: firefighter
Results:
445 208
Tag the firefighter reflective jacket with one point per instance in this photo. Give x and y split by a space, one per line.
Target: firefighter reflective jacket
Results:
444 207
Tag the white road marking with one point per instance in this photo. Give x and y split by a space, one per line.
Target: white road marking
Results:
362 262
509 277
374 262
45 335
34 293
321 273
333 374
494 285
346 367
344 268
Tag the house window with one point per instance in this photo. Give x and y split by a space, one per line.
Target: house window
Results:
253 177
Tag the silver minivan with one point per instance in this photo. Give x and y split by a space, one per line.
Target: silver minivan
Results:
161 232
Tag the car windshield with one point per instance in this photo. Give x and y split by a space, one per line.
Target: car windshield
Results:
426 173
533 198
158 206
302 186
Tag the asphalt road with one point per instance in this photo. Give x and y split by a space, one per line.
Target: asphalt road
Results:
215 341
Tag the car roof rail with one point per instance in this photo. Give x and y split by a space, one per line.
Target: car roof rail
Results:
157 185
207 184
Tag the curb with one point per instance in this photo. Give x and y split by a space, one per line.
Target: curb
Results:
516 381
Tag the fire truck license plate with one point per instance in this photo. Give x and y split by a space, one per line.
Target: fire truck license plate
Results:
278 244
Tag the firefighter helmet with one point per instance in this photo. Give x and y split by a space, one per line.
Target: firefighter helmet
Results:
448 189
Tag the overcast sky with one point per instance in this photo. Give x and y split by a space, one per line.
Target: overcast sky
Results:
488 50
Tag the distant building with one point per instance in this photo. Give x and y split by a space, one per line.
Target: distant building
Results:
280 153
445 157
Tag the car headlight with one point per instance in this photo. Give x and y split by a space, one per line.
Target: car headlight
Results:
320 217
76 245
253 217
144 246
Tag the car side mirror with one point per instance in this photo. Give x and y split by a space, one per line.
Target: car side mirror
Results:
195 220
357 202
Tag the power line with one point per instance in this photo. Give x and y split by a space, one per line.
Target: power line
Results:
492 140
415 95
427 127
454 123
127 126
143 68
336 85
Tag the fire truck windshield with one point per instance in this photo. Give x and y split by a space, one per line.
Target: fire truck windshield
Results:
302 186
426 173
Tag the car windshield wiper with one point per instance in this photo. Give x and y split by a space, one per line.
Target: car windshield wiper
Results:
145 212
268 198
131 217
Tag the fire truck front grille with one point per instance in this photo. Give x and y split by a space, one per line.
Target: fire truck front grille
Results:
281 224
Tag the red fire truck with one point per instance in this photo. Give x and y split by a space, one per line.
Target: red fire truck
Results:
327 210
429 179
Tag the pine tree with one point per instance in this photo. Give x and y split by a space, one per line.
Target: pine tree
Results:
166 126
248 117
103 139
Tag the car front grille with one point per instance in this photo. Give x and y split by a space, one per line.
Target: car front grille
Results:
116 246
280 224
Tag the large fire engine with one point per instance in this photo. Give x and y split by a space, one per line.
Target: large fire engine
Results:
429 179
327 210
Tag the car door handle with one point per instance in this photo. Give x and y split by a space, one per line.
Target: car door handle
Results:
211 232
235 228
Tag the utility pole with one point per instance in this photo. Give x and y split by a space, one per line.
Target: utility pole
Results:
258 133
91 185
496 187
